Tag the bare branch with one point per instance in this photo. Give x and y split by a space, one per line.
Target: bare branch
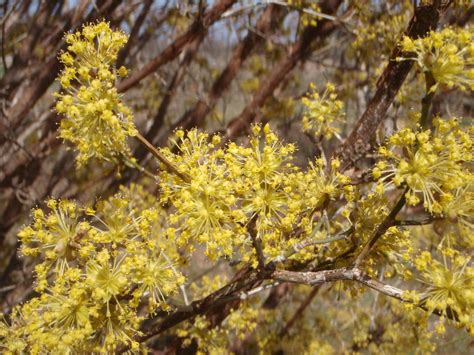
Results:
266 23
178 44
300 50
388 222
358 143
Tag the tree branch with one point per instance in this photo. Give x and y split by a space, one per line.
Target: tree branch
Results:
265 24
178 44
157 154
388 222
300 50
426 18
420 222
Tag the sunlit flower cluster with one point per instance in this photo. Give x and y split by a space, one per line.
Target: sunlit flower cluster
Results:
322 113
458 210
205 208
448 55
95 119
242 193
98 269
325 183
267 196
431 165
450 287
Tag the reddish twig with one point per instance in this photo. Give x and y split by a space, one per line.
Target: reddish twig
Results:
175 48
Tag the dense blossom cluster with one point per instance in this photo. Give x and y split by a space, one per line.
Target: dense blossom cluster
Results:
242 192
95 120
431 164
101 272
449 287
448 55
322 113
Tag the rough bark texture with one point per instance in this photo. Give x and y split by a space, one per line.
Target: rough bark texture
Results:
359 141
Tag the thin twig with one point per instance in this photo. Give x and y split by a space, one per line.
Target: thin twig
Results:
175 272
133 164
254 291
409 222
157 154
311 241
256 243
388 222
4 62
425 119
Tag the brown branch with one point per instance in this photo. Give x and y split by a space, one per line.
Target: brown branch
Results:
342 274
354 274
426 113
388 222
134 33
177 78
420 222
464 19
256 243
217 299
157 154
426 18
178 44
5 13
301 50
265 25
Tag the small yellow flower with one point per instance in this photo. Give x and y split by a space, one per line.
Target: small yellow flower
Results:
322 113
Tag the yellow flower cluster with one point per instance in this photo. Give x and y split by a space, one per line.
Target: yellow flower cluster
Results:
94 118
322 113
450 287
240 193
379 29
267 197
98 269
309 10
433 164
448 55
458 208
204 207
